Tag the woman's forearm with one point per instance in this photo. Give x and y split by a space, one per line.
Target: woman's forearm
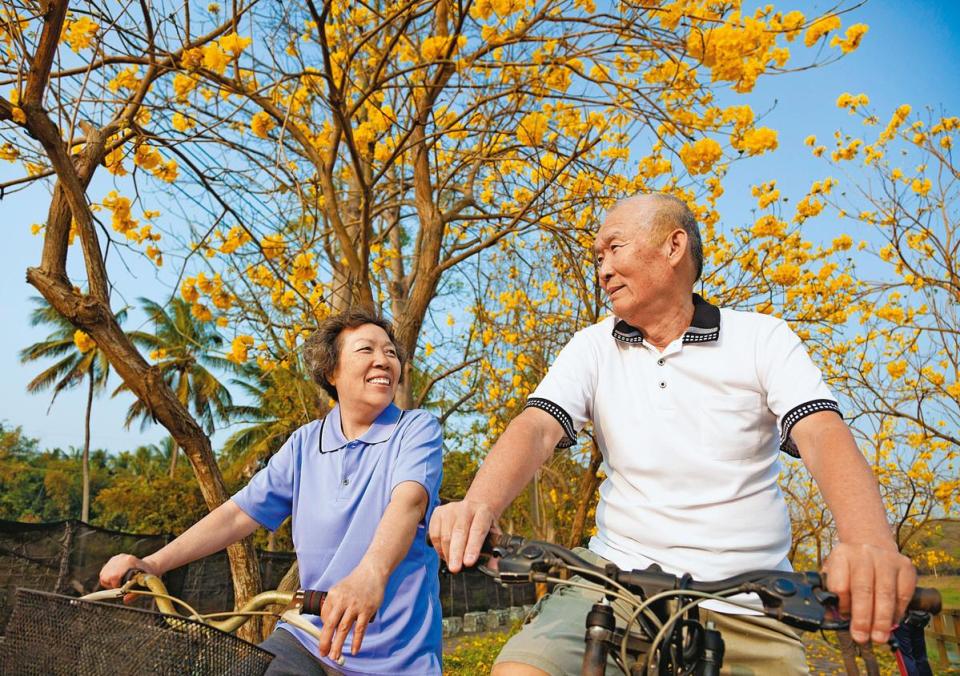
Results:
220 528
396 530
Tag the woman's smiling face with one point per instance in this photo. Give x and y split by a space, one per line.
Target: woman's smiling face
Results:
368 368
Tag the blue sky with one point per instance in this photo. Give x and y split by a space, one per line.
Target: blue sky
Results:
909 56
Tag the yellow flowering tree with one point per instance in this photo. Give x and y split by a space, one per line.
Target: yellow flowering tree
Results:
391 155
896 363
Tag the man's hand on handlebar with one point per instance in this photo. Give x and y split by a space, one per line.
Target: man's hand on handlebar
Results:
874 586
458 530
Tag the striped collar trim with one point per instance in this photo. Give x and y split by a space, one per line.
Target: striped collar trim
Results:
705 327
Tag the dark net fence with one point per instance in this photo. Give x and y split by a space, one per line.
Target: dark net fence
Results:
66 558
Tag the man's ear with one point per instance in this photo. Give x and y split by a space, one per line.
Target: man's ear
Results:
677 241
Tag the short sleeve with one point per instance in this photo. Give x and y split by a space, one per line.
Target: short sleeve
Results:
794 385
567 391
268 498
420 456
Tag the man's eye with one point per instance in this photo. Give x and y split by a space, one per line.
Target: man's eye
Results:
365 348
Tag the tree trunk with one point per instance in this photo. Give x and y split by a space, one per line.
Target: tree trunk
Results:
91 311
174 454
85 461
585 496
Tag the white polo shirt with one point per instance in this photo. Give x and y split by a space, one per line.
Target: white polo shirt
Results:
689 437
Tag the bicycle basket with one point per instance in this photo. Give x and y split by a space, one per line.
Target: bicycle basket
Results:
54 634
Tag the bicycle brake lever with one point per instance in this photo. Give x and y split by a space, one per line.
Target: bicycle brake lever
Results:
520 564
798 599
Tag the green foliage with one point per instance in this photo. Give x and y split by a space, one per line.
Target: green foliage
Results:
131 490
43 485
459 468
156 504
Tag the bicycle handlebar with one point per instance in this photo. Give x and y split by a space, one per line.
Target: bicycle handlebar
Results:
800 599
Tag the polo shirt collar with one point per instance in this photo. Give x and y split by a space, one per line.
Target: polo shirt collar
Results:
704 328
332 438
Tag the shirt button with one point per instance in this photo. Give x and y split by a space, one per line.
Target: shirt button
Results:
663 384
660 362
346 482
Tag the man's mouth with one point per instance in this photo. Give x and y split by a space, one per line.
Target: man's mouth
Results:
379 380
613 289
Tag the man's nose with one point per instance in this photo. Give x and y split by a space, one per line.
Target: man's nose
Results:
603 270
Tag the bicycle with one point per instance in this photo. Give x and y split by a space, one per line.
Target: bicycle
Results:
96 638
663 635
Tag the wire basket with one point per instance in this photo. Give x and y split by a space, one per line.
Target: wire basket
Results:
50 634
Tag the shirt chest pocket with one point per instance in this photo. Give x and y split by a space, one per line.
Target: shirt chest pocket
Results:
730 425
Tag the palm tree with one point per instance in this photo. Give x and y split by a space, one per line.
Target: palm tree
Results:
79 359
281 400
183 348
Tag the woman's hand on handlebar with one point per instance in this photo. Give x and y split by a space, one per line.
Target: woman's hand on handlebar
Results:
458 530
874 586
111 575
351 603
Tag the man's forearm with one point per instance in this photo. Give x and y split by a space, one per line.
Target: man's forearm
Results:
845 480
218 529
523 447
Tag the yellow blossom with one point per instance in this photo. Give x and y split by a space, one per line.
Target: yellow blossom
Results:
214 58
757 141
239 349
273 246
820 28
83 342
532 128
785 274
896 369
125 79
201 312
851 39
262 123
233 43
182 122
700 157
8 152
921 186
79 34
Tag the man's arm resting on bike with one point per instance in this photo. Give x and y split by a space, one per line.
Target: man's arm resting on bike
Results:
222 527
458 529
873 580
354 600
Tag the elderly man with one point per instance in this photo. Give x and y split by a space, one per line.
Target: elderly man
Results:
686 400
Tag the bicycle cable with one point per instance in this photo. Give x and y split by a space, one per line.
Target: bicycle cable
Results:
672 620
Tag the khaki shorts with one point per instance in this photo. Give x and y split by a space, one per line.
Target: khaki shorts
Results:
552 638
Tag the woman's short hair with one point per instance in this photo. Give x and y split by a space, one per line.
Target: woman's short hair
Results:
321 351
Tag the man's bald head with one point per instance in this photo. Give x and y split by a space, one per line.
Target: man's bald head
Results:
665 213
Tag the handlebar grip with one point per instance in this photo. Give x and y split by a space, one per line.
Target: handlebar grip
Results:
501 540
926 600
130 574
313 601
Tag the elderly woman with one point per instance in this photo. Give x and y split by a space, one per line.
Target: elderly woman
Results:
360 484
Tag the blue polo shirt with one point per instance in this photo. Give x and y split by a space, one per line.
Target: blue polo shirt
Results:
337 491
